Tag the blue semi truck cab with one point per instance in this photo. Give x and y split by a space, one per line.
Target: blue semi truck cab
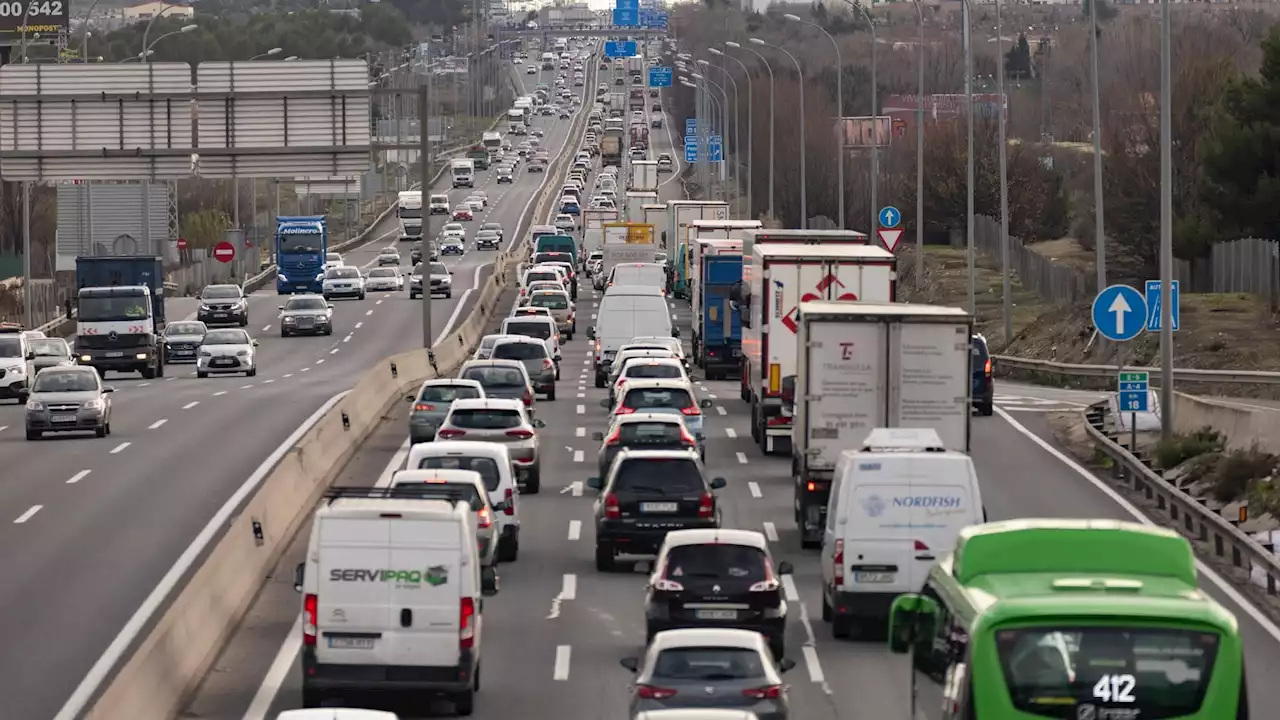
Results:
720 346
301 244
120 314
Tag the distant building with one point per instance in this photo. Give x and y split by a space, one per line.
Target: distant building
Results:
146 11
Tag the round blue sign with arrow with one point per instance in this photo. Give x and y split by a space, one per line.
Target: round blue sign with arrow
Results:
1120 313
890 217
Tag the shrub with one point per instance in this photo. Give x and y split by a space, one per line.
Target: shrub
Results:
1181 448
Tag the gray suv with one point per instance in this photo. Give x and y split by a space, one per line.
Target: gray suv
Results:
68 399
532 353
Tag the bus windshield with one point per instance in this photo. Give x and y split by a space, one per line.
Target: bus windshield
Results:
1142 672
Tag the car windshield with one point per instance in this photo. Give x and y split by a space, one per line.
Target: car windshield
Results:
494 376
708 663
305 303
486 467
382 272
632 275
536 275
738 562
641 399
75 381
447 393
540 330
48 348
466 490
226 337
486 419
439 269
184 328
551 301
343 273
519 351
220 292
653 371
660 476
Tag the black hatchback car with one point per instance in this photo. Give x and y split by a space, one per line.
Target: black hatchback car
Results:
983 389
717 579
647 494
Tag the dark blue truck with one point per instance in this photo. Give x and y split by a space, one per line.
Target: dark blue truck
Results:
720 347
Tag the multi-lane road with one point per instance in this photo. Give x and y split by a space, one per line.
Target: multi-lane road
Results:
90 526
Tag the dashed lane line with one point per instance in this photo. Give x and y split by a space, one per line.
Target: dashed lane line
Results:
754 487
770 531
31 512
78 477
742 458
155 425
191 404
120 448
575 530
561 671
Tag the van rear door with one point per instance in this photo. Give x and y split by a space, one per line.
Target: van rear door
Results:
941 503
424 608
352 597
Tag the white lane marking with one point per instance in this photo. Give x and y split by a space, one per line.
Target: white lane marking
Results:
268 381
345 339
742 458
377 303
305 369
575 488
266 328
789 589
394 464
287 375
731 432
280 667
78 477
1212 575
582 409
143 384
119 448
720 409
246 387
191 404
754 487
575 529
581 395
335 350
578 456
157 423
367 313
593 316
580 432
674 316
811 662
220 393
711 396
561 671
359 325
3 428
320 361
770 531
569 588
31 511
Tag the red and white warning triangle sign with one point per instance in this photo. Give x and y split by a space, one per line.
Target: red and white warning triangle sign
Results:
890 238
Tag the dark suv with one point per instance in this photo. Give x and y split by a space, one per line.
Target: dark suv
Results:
984 386
647 494
717 579
223 305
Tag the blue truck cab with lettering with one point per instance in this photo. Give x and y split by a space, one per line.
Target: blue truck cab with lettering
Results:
720 330
301 244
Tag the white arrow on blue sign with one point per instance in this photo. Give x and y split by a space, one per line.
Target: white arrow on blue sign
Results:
1153 305
660 77
715 149
690 127
1119 313
890 217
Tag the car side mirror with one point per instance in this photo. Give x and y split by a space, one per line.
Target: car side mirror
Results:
450 272
279 307
675 332
595 482
591 333
785 568
108 389
704 403
717 483
597 436
255 343
786 664
488 582
604 403
408 398
539 423
31 356
299 573
329 305
632 664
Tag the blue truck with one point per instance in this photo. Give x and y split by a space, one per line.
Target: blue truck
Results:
719 349
120 314
302 241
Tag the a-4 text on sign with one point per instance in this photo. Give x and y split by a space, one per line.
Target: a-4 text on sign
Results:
660 77
1134 392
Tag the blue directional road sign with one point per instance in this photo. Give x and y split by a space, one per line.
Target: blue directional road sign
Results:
1153 305
620 48
654 19
627 5
890 217
691 149
626 17
660 77
715 149
690 127
1119 313
1134 392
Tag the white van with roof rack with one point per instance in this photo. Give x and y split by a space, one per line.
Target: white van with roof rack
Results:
392 597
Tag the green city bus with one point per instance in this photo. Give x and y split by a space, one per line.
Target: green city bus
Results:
1072 619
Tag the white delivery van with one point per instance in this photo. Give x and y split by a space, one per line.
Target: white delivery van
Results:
896 503
493 462
463 173
392 581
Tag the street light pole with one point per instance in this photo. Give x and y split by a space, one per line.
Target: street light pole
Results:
1166 225
751 159
804 193
920 154
1099 228
1006 289
772 105
968 93
840 111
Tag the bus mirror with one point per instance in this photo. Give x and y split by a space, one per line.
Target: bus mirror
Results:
911 620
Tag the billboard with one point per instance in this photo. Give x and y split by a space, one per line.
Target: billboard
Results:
41 20
858 131
944 108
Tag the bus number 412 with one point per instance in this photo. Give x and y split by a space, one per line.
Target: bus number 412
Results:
1115 689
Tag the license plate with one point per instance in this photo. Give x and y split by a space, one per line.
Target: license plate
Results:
222 361
873 577
115 354
351 643
716 614
219 315
656 507
183 352
63 418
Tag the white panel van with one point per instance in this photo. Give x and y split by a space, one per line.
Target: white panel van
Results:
392 588
896 503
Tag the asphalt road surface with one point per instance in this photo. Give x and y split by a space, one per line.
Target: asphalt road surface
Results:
91 525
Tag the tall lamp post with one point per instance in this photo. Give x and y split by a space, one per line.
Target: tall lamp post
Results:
772 105
804 190
750 128
1006 289
1166 225
920 154
269 53
840 111
149 51
1099 227
146 32
875 119
735 166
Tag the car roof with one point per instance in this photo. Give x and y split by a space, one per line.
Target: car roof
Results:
451 476
342 714
706 637
539 314
487 404
634 290
662 383
716 536
500 362
520 339
446 382
650 417
636 361
441 448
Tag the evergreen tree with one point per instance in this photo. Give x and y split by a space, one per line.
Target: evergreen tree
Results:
1017 62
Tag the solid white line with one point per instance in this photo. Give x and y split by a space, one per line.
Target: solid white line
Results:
275 676
582 409
1213 577
742 458
395 463
78 477
220 393
789 590
31 511
569 588
731 432
157 424
191 404
770 531
575 529
754 487
578 456
720 409
120 447
561 671
811 662
580 432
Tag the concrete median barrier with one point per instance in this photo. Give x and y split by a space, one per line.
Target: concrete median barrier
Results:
1242 425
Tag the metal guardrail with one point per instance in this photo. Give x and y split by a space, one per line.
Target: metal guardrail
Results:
1241 377
1215 535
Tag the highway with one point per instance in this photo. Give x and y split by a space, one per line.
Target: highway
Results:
92 525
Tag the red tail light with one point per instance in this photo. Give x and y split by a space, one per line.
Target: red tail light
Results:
519 434
612 510
706 506
987 368
615 438
687 439
528 398
424 406
837 562
770 582
921 547
509 500
310 607
624 410
467 624
651 692
450 433
691 411
484 519
547 364
768 692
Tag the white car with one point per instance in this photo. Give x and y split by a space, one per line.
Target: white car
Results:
439 205
228 350
332 260
476 204
343 281
453 230
484 197
565 221
384 278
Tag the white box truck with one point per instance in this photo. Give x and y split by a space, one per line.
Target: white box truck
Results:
863 366
593 221
679 214
463 173
803 237
634 202
515 122
776 278
409 211
655 214
644 176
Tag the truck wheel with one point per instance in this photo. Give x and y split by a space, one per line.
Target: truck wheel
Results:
160 367
148 373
